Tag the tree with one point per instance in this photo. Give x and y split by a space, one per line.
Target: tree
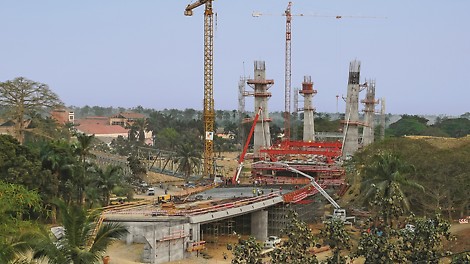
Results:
137 130
408 125
12 250
421 244
455 127
188 158
167 138
21 165
335 235
15 201
138 169
376 247
296 249
79 244
106 180
21 97
58 158
424 243
246 252
442 167
121 146
384 179
83 150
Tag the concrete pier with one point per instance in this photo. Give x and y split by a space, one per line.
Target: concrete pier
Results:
259 224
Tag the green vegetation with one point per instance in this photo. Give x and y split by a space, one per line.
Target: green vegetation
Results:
189 158
442 167
16 203
334 234
443 127
246 251
384 178
296 249
78 245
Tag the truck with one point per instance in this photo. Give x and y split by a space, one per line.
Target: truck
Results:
272 241
151 191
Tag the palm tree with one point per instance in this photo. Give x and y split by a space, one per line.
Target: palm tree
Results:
79 243
385 178
58 157
106 180
83 150
84 147
11 250
188 158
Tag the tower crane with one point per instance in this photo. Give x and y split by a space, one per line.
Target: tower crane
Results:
288 72
208 112
288 62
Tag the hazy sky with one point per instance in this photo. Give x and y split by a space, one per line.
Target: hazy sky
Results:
146 52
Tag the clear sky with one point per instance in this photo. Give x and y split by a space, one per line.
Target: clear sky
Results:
146 52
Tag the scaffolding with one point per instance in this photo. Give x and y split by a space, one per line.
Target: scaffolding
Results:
309 211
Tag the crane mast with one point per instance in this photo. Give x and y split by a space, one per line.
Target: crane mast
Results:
288 73
208 112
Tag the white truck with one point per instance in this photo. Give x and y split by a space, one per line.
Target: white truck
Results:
272 241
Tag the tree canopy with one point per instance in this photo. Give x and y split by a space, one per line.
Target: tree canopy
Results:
22 97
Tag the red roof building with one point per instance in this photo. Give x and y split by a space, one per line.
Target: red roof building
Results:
100 127
125 118
63 115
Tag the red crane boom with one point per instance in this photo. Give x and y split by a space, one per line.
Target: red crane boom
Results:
245 149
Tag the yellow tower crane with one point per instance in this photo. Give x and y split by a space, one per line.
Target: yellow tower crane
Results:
208 112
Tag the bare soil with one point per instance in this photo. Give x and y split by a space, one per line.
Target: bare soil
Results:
155 178
120 253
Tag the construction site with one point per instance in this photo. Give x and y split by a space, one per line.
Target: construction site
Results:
270 178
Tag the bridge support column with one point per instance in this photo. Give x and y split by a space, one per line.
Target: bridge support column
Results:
259 224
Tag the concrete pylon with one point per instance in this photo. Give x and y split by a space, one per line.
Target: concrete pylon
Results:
382 118
309 125
351 122
369 114
262 135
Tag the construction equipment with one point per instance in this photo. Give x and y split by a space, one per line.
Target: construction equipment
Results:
208 112
235 178
288 62
164 198
288 73
338 212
